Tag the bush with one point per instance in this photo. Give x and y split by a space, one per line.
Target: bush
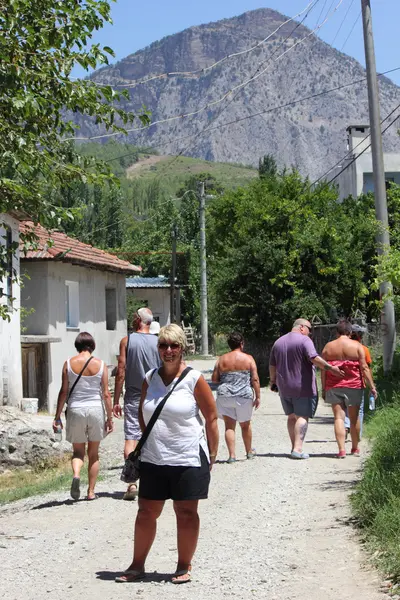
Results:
376 501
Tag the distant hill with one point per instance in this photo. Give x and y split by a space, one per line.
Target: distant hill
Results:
310 135
174 174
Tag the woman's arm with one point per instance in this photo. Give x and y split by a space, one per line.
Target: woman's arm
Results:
62 397
255 382
107 400
145 387
208 408
215 376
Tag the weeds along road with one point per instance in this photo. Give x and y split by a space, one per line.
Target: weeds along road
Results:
272 528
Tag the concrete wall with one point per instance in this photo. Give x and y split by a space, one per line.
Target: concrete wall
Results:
46 292
10 347
158 300
358 178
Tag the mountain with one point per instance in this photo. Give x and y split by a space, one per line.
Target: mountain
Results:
310 135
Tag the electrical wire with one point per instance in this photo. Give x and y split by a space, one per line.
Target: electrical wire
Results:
351 31
262 112
237 88
342 23
215 64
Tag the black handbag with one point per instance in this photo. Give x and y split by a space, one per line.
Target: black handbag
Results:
131 469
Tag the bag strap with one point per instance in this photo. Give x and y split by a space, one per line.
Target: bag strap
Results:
156 414
78 378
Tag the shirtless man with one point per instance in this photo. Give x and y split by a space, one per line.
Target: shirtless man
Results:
349 356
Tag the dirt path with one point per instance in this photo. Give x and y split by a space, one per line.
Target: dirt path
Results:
272 528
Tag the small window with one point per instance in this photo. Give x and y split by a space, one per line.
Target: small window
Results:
72 304
6 287
111 309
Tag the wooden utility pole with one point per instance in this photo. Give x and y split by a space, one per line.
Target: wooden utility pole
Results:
173 277
383 240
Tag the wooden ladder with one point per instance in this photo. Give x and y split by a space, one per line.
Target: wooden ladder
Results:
191 346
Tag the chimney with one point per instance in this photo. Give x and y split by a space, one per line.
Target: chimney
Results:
358 138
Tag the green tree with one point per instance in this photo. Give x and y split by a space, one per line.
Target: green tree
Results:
278 250
40 44
267 166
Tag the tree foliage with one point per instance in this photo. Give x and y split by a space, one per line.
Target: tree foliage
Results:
280 250
40 43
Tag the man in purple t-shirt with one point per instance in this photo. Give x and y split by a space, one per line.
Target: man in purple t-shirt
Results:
292 373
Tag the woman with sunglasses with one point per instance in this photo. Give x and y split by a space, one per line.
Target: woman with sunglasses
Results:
177 458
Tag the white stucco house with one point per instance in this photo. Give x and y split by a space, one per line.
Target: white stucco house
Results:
156 293
10 347
70 287
357 178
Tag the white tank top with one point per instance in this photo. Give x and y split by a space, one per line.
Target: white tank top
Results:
178 433
87 391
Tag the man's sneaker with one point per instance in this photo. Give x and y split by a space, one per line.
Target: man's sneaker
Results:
341 454
355 451
299 455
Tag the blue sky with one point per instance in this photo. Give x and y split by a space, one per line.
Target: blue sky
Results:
137 24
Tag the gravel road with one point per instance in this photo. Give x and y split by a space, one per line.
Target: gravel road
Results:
272 528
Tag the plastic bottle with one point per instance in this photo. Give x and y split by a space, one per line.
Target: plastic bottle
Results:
58 434
371 402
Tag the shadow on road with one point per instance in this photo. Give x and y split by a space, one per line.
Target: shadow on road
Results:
150 577
55 503
313 455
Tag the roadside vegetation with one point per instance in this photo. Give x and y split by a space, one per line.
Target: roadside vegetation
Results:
47 476
376 501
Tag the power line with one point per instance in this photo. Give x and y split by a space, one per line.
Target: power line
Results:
208 127
342 23
262 112
237 89
351 31
209 105
213 65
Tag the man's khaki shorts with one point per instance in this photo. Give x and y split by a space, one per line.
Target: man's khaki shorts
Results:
85 425
344 396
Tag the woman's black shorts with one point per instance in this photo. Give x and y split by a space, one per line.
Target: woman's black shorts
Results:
178 483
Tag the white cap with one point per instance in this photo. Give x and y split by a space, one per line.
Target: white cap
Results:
155 327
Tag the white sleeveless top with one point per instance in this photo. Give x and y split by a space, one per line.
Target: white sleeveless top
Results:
87 391
178 433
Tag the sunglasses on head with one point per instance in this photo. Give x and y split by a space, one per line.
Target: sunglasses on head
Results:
165 346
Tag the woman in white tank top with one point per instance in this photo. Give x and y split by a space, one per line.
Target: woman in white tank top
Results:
177 457
85 388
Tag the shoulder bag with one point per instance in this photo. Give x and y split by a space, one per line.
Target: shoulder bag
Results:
131 469
74 384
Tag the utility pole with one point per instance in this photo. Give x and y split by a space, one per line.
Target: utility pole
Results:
203 272
383 241
173 277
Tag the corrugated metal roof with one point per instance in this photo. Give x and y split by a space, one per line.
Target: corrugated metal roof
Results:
70 250
147 282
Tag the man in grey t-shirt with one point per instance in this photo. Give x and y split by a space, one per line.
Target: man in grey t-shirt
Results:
138 354
291 369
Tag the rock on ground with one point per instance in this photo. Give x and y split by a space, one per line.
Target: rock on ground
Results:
272 528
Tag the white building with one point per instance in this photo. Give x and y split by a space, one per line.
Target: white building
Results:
155 292
10 347
357 178
70 287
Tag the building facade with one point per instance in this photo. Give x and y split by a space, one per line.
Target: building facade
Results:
155 292
355 177
70 287
10 347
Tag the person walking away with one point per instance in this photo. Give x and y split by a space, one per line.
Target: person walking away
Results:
177 458
292 373
85 386
349 356
138 354
357 332
238 393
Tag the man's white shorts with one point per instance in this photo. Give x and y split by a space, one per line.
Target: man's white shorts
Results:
237 408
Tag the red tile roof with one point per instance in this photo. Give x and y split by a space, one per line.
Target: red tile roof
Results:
70 250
